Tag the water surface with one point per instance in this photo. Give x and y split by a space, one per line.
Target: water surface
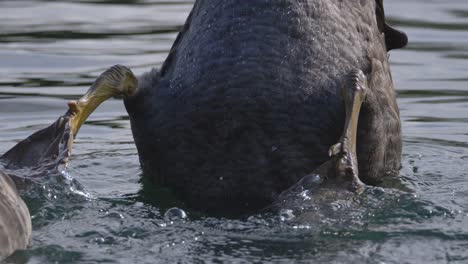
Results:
51 52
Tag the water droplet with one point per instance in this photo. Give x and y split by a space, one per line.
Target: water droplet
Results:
175 214
302 227
310 181
335 206
286 215
306 195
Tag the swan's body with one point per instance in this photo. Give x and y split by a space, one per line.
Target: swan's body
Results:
248 100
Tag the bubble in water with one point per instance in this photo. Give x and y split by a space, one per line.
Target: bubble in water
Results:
310 181
175 214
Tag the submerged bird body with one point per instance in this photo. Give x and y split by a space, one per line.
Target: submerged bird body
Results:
249 101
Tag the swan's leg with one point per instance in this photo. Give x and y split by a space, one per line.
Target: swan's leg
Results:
354 91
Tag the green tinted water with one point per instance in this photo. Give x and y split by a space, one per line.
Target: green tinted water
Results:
51 51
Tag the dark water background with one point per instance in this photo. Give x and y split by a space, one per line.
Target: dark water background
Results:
51 51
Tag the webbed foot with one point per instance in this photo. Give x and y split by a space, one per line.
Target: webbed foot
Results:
354 91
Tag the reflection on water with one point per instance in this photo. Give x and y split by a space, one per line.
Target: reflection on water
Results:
51 51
